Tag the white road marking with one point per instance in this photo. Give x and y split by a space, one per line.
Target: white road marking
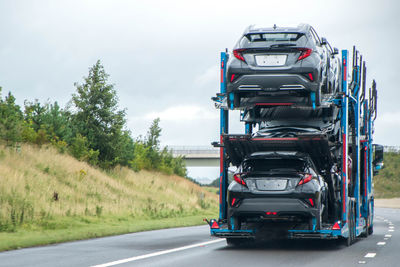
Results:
157 253
381 243
388 235
391 230
385 238
370 255
391 227
362 262
385 220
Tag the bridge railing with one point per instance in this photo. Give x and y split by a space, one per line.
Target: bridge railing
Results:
193 150
201 150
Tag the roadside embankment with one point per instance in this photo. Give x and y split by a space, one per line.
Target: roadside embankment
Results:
48 197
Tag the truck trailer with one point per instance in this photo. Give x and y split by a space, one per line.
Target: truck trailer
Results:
342 151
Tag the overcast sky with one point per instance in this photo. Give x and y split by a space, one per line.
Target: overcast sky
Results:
163 56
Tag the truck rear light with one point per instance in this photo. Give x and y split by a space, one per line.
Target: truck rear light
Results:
336 226
238 54
307 177
238 178
305 52
214 225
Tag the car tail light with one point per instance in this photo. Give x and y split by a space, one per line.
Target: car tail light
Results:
233 77
305 52
238 178
238 54
310 76
336 226
271 213
233 202
311 201
307 177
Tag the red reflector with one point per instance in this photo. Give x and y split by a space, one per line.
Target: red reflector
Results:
215 225
336 226
305 52
237 177
311 201
274 213
233 201
268 213
307 177
311 77
238 54
232 77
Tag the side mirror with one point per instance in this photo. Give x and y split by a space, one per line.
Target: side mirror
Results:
378 158
335 51
323 41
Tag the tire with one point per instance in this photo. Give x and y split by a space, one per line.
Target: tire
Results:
371 230
350 240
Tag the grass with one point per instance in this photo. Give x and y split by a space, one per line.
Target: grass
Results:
48 197
90 227
387 183
212 189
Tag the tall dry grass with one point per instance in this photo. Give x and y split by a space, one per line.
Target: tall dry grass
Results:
39 184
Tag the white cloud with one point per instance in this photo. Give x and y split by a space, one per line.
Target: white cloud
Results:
387 127
209 77
180 113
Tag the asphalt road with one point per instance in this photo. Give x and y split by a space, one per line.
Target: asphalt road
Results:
193 246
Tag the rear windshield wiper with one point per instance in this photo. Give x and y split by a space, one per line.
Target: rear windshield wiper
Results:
282 45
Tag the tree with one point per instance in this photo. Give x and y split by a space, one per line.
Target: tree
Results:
11 120
96 117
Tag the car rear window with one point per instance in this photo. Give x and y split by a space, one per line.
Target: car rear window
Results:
264 165
268 39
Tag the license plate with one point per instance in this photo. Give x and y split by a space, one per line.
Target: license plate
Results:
271 60
271 184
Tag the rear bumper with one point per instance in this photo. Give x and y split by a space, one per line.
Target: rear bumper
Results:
272 83
284 207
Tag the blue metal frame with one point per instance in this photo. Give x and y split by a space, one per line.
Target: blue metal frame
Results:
224 117
344 126
346 101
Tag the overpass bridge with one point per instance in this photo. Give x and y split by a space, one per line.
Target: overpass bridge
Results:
208 156
197 156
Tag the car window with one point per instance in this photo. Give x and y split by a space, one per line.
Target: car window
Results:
315 36
268 39
262 165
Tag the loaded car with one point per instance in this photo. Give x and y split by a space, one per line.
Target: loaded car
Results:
279 64
277 186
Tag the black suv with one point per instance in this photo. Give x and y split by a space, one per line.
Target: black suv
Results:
277 186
